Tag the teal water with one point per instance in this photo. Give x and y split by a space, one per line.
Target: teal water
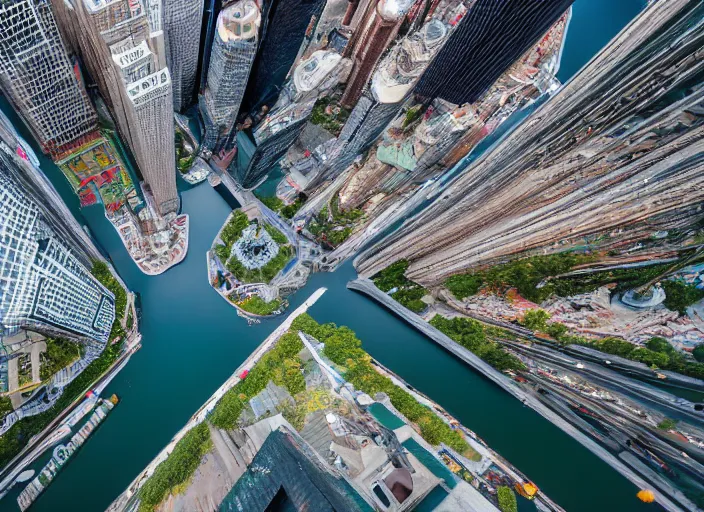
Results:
193 340
385 417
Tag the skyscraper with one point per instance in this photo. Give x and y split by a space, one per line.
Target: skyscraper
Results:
374 34
285 24
282 126
38 77
610 161
234 49
44 255
122 45
490 37
182 25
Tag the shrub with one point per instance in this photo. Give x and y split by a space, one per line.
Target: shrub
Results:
280 365
276 235
679 296
507 499
471 335
343 348
698 353
58 355
256 305
177 468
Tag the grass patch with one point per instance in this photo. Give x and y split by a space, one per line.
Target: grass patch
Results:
507 499
256 305
177 469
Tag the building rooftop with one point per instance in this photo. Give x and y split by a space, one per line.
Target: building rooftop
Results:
239 21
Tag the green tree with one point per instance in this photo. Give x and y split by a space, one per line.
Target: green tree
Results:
698 352
679 296
507 499
536 319
177 468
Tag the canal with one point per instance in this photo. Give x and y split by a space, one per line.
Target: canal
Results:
193 340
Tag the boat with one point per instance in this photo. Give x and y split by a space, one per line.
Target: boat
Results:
526 489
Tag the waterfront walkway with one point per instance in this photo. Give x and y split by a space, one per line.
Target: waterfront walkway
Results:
123 500
368 288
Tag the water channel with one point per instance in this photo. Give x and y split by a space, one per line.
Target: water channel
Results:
193 340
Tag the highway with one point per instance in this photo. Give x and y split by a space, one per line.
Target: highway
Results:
662 493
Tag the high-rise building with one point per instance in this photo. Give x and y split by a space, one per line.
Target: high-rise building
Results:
285 25
612 161
257 154
490 37
182 25
234 49
122 45
39 78
375 33
44 255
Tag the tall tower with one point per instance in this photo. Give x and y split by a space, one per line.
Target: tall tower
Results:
285 24
374 34
40 80
610 160
122 45
44 255
234 49
270 140
490 37
182 26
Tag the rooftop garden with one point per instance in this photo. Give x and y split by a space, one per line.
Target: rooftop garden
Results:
407 293
102 273
59 354
333 226
253 252
283 366
344 349
287 211
328 114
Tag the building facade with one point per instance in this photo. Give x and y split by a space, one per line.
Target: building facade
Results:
234 48
610 162
40 79
122 44
375 34
182 26
491 36
44 279
285 25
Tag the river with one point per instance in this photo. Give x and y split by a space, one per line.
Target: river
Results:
193 340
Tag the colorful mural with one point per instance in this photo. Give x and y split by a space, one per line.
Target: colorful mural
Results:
97 174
